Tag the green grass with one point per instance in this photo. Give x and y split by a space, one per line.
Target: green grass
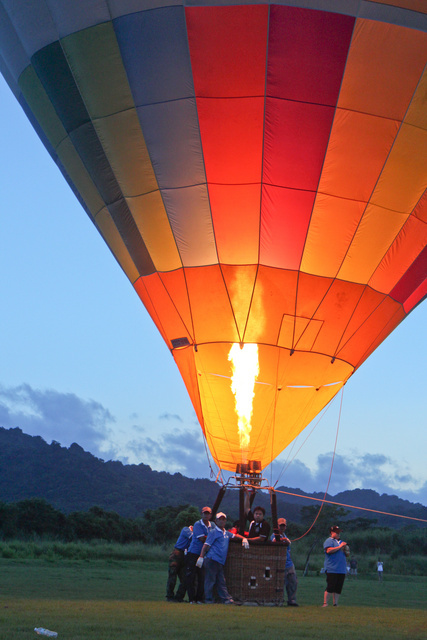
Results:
123 599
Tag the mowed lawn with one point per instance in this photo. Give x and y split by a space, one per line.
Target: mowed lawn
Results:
120 600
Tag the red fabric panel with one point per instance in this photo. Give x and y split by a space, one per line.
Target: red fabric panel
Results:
285 216
307 51
412 279
228 47
296 136
231 131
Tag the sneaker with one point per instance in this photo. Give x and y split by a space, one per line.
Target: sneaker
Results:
324 605
199 602
229 602
293 604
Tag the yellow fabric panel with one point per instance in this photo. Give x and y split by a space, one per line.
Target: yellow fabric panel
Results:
79 176
149 214
417 112
358 148
240 282
375 234
404 180
41 106
296 406
383 67
96 63
408 245
210 306
332 226
112 237
124 146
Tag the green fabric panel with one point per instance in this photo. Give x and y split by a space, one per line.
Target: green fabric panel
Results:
96 63
79 176
124 145
41 106
108 230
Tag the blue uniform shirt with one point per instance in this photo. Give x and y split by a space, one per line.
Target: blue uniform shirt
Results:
334 562
289 564
218 540
184 539
199 530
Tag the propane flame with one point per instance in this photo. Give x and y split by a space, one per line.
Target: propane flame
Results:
245 367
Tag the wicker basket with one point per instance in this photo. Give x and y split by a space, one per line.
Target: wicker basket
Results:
256 575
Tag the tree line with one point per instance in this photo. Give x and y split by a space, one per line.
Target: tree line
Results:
35 517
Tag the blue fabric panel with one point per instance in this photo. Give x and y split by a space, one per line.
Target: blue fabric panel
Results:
171 132
155 54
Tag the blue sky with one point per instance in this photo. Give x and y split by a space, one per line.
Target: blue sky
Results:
82 362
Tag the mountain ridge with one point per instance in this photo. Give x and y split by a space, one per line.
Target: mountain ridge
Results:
72 479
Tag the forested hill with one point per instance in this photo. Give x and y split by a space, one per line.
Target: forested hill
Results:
71 479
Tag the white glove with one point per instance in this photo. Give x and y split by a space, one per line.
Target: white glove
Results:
245 543
199 562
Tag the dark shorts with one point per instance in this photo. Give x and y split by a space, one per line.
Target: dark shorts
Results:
334 582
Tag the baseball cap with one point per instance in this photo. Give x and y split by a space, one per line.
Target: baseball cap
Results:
335 529
206 510
281 521
220 515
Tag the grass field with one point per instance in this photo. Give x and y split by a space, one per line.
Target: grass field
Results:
120 600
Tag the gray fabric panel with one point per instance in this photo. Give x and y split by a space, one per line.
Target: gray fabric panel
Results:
74 15
33 23
15 59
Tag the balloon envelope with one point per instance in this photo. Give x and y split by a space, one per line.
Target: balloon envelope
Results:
259 173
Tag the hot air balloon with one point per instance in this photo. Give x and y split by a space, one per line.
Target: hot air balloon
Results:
259 173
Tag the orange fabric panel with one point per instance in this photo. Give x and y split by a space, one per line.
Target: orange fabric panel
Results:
376 327
228 47
413 5
420 210
231 130
210 306
274 295
161 309
332 226
358 148
240 283
176 286
402 254
185 362
236 221
384 65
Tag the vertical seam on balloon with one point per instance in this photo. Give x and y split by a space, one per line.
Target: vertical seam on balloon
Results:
263 135
363 358
377 180
200 136
327 144
146 145
189 331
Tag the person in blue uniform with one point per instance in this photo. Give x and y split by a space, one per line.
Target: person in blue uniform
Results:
335 565
195 576
213 556
177 569
291 582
